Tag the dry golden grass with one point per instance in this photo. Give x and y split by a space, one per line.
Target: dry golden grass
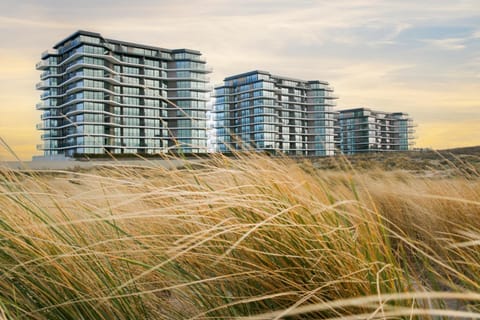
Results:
253 237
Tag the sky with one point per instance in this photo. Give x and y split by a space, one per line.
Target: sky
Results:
419 57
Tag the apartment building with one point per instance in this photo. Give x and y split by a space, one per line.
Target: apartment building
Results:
264 112
363 130
109 96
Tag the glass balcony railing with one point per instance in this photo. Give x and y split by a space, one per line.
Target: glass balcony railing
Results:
42 85
50 134
49 52
46 114
42 106
45 74
45 64
45 94
69 45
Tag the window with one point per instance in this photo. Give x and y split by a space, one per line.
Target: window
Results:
189 65
133 60
153 63
131 70
94 50
186 56
89 39
152 73
131 90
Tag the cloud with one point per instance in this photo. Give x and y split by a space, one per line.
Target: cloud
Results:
414 56
449 44
459 43
8 22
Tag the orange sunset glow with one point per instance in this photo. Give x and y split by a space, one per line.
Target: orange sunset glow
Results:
422 58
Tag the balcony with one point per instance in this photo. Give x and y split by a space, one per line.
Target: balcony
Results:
40 146
200 68
48 114
68 45
42 85
45 94
49 135
45 74
49 52
42 106
44 64
204 88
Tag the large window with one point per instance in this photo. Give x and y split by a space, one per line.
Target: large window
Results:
131 70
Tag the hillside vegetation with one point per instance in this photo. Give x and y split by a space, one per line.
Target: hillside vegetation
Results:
253 237
442 162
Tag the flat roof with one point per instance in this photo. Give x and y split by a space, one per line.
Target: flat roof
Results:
75 34
244 74
371 110
273 76
121 42
355 109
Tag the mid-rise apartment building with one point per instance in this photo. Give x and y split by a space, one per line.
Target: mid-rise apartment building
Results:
260 111
362 130
109 96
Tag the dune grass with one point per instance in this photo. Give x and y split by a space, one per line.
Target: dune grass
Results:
248 238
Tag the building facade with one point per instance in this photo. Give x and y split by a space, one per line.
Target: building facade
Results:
108 96
363 130
264 112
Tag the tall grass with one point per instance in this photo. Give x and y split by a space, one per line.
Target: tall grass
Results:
252 237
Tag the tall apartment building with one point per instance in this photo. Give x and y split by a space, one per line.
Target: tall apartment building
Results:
260 111
364 130
102 95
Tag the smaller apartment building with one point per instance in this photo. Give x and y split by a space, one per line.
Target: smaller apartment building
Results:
364 130
264 112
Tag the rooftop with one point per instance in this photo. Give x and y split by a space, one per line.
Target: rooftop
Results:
120 42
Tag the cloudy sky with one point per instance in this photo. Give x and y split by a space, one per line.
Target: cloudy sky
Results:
420 57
